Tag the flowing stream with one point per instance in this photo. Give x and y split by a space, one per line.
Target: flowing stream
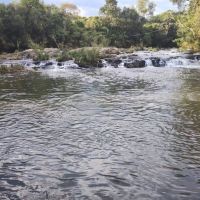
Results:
102 134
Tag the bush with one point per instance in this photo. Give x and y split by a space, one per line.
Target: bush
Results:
64 56
86 57
41 56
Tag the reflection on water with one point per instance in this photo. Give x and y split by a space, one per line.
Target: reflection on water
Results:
101 134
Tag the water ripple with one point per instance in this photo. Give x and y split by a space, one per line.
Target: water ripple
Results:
104 134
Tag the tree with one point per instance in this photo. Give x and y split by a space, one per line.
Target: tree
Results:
31 3
189 27
142 7
179 3
151 8
70 8
161 30
110 9
146 7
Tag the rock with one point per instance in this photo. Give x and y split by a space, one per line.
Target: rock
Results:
135 64
189 51
10 56
36 62
100 64
48 64
52 52
114 61
158 62
60 64
29 54
109 52
193 56
12 69
83 65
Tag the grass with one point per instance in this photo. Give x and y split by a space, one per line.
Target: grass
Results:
85 57
41 56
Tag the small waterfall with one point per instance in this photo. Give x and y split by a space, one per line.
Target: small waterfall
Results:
140 59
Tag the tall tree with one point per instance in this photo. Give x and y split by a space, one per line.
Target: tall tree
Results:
70 8
189 27
110 9
179 3
142 7
151 8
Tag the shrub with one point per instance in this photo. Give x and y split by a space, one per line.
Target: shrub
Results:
41 56
64 56
86 57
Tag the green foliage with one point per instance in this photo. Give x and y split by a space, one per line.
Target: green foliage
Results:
110 9
161 30
64 56
41 56
146 7
189 27
87 57
142 6
30 23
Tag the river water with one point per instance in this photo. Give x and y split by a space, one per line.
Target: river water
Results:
101 134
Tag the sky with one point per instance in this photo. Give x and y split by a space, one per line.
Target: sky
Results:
91 7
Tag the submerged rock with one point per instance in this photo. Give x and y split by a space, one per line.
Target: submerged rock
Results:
12 69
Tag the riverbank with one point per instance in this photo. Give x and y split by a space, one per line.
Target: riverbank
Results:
54 53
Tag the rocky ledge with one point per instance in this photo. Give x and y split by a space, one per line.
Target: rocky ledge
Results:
102 58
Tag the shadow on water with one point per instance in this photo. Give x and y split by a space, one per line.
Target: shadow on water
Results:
36 87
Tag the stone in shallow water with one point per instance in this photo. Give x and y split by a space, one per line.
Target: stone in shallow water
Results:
114 61
158 62
135 64
193 56
100 64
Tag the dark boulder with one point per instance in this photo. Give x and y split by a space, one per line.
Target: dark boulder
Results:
115 62
135 64
100 64
48 65
60 64
193 56
36 62
158 62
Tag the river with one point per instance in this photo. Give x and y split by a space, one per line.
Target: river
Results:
101 134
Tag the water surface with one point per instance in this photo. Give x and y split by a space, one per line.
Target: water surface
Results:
101 134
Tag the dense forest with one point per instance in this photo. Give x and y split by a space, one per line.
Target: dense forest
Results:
32 24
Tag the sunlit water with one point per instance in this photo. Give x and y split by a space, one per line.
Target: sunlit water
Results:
101 134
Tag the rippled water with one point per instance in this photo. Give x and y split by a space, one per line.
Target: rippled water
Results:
101 134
